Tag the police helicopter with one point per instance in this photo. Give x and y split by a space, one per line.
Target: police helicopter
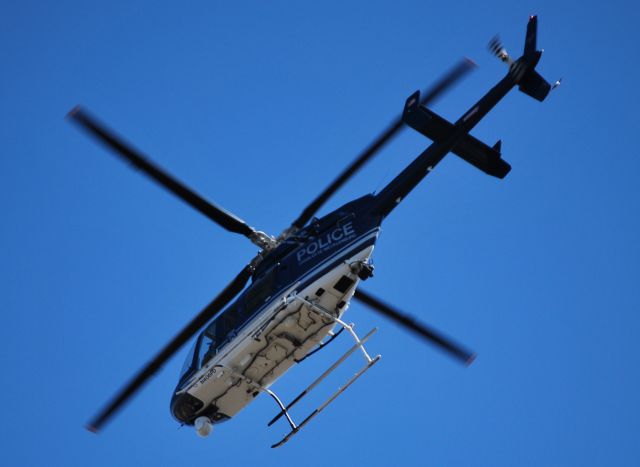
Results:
301 282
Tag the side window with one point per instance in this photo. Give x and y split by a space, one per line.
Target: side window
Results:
260 292
206 351
188 362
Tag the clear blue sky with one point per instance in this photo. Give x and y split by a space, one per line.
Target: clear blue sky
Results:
258 105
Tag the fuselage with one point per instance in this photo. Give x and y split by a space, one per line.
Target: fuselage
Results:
261 335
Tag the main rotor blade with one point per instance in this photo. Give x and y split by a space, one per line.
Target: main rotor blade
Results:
233 289
422 330
450 78
138 160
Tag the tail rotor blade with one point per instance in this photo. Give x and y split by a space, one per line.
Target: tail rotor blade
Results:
422 330
123 150
233 289
449 79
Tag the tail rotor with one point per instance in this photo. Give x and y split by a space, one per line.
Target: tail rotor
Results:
497 49
522 69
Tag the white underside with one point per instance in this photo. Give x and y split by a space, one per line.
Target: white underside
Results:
267 347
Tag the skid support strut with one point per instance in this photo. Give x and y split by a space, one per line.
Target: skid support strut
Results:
359 344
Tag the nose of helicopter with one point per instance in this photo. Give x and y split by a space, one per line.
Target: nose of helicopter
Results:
184 407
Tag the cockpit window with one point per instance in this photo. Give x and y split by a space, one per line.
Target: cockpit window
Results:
259 293
206 350
188 362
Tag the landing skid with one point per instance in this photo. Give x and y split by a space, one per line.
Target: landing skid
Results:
359 344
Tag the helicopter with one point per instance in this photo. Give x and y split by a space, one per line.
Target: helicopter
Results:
288 302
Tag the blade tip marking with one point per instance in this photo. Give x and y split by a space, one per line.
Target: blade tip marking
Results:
74 111
92 428
470 63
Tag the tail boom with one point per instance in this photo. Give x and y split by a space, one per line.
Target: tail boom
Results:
455 137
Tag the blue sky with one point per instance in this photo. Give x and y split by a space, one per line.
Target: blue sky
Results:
257 105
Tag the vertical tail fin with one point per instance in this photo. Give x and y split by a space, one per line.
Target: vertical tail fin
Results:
531 37
531 83
523 69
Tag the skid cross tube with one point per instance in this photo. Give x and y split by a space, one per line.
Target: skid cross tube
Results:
321 377
349 327
359 344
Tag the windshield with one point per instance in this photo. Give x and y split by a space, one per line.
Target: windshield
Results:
218 333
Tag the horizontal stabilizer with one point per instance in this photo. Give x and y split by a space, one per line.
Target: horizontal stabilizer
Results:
472 150
534 85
